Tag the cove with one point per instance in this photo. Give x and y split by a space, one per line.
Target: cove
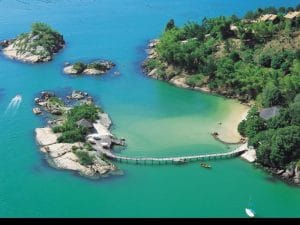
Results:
156 119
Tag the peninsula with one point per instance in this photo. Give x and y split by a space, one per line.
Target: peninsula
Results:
76 134
38 45
255 59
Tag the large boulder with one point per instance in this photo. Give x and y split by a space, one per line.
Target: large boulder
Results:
70 70
289 172
45 136
249 156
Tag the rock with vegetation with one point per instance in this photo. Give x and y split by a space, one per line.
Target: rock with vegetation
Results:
76 137
38 45
93 68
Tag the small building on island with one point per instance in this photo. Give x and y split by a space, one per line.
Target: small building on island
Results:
84 123
268 113
292 15
269 17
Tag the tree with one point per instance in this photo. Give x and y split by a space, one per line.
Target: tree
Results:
170 25
295 111
242 127
253 124
279 147
79 67
234 56
271 95
265 60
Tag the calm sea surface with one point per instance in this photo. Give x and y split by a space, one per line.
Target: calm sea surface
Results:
156 119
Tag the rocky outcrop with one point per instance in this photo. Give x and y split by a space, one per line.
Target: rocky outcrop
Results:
62 156
38 45
78 95
105 120
94 68
6 43
45 136
177 80
250 153
48 102
37 110
70 70
290 175
68 155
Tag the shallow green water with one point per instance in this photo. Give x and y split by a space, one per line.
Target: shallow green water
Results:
156 119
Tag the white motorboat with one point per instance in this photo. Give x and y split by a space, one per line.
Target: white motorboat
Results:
250 212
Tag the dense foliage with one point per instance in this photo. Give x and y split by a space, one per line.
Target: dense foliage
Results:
236 57
80 66
248 58
42 40
71 132
278 139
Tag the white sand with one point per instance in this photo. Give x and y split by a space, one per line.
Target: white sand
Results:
227 130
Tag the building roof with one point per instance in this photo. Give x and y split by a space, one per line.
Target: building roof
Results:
233 27
267 113
292 15
268 17
84 123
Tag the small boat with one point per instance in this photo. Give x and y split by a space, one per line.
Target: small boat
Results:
250 212
205 165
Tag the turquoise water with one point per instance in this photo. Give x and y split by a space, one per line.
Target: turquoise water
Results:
156 119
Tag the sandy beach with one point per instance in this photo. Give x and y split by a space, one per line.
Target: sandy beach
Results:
227 128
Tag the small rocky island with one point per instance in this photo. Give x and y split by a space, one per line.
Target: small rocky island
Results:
94 68
38 45
76 134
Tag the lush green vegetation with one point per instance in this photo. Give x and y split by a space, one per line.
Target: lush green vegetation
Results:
71 132
247 58
56 101
80 67
84 157
277 140
41 40
238 57
98 66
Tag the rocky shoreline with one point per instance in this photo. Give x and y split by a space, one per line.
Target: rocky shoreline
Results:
94 68
180 79
290 175
38 45
72 156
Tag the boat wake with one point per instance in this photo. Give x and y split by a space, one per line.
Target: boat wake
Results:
14 104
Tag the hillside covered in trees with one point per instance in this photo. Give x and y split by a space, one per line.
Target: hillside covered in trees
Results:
254 59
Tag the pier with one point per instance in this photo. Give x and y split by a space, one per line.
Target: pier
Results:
171 160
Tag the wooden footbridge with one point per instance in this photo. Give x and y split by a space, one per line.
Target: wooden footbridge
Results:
172 160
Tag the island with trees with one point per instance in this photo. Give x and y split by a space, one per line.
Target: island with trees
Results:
76 134
38 45
255 59
97 67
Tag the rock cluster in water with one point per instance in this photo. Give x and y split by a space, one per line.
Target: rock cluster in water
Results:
93 68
